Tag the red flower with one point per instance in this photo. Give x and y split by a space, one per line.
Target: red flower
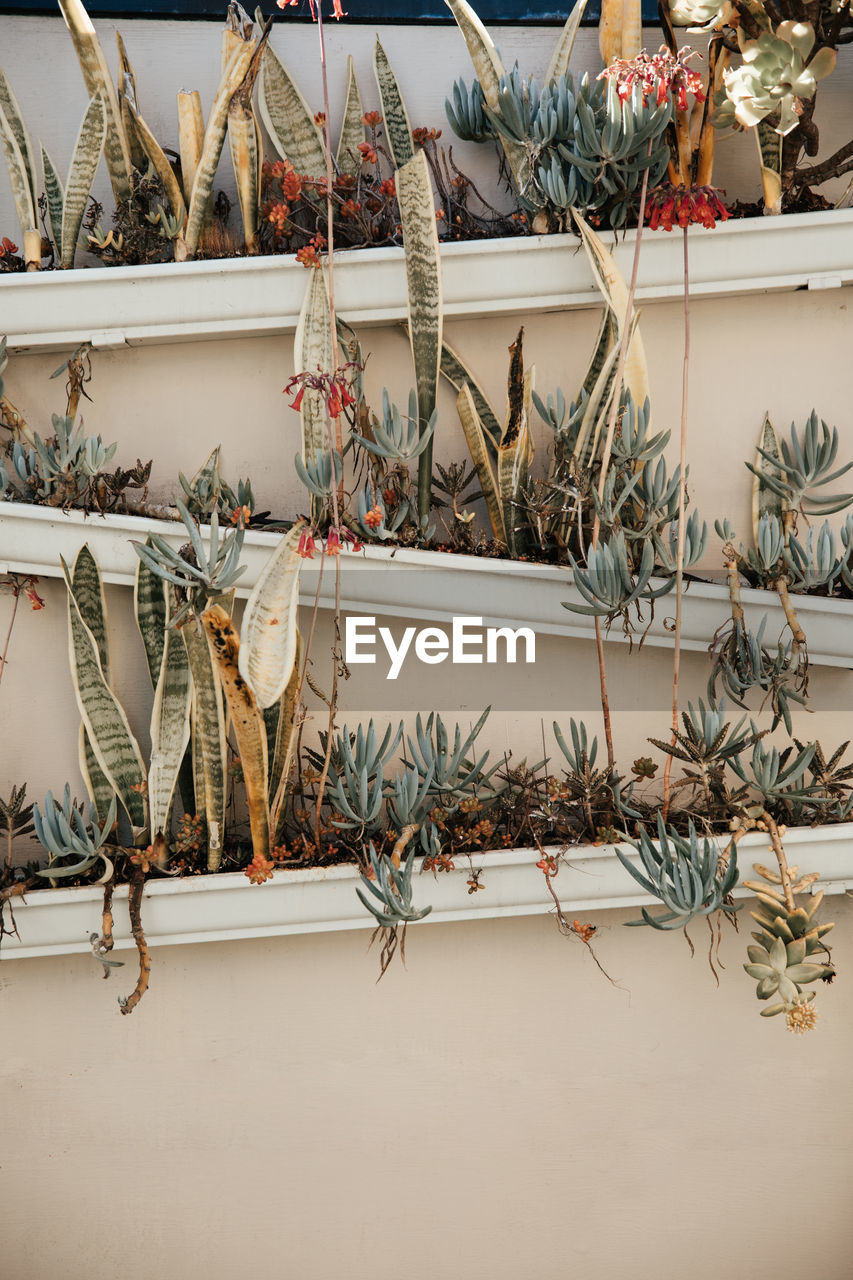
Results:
337 11
6 247
278 216
333 542
296 402
307 543
422 136
374 517
548 864
388 187
371 119
34 598
350 209
368 154
670 206
292 186
659 75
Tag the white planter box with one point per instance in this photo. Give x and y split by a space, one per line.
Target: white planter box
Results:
428 585
111 306
223 907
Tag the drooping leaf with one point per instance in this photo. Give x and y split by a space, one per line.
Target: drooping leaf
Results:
423 280
398 130
247 722
87 156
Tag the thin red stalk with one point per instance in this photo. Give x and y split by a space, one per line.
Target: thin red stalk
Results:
682 504
605 457
17 596
337 491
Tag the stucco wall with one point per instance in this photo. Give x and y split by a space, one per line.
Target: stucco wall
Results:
499 1109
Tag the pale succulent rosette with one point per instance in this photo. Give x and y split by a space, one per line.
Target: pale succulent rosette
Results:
774 78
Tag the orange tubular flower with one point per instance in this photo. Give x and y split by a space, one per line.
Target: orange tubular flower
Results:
670 207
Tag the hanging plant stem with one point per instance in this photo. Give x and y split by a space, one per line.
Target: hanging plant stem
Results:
682 512
608 447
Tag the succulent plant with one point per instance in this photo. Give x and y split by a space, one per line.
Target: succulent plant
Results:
804 465
394 441
688 875
391 887
611 583
64 833
788 935
316 474
774 78
201 574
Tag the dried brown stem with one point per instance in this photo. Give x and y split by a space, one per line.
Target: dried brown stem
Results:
402 840
779 850
134 906
17 596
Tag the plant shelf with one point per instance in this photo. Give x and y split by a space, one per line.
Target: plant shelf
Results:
220 908
244 297
429 585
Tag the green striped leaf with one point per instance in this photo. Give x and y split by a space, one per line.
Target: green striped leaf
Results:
22 168
423 281
149 607
516 447
562 55
97 783
126 83
769 143
268 631
55 193
157 156
88 150
398 130
353 131
280 720
246 157
476 440
96 74
288 118
170 726
457 373
765 502
210 756
313 349
88 591
114 746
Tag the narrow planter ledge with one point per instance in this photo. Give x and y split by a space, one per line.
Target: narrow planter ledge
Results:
225 907
245 297
428 585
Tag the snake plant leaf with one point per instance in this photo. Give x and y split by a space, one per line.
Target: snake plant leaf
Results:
766 501
457 373
96 74
246 149
769 142
516 447
55 193
620 29
170 726
288 118
268 630
190 137
615 293
149 607
562 55
210 752
604 344
247 721
19 161
475 437
114 746
97 783
398 130
87 156
423 280
214 139
88 590
127 77
313 349
598 405
490 70
155 154
353 131
280 721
